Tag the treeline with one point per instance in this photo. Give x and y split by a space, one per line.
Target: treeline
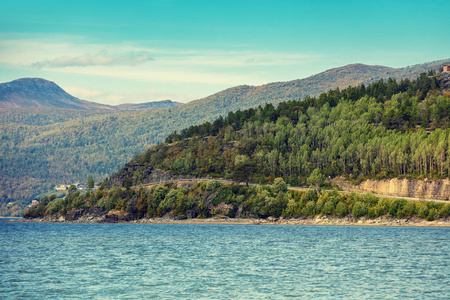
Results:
402 117
211 198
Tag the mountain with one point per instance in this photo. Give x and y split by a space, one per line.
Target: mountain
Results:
148 105
41 148
385 129
37 92
245 96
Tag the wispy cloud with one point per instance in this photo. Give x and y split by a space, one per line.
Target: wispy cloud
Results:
114 98
83 92
100 59
179 72
66 52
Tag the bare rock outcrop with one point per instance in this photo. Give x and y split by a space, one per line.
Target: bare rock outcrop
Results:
444 81
424 189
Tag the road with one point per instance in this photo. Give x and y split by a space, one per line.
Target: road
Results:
289 188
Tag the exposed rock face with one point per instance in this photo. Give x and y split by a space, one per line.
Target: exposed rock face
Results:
147 175
75 214
82 215
115 216
426 189
444 81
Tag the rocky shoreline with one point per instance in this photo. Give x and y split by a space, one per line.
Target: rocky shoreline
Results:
117 217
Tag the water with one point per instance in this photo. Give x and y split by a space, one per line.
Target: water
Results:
3 219
131 261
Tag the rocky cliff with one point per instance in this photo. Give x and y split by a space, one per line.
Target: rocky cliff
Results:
425 189
444 82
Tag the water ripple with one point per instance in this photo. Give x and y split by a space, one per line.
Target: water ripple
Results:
129 261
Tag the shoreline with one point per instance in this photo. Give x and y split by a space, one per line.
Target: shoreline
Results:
318 221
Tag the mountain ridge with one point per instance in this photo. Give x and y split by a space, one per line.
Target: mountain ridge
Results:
40 92
378 131
73 145
148 105
339 77
25 92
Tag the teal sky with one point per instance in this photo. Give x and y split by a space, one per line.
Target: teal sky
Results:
134 51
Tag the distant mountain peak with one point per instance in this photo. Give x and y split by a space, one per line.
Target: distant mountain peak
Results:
39 92
33 92
357 68
148 105
32 80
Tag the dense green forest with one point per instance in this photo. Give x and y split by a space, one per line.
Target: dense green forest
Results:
41 148
386 129
211 198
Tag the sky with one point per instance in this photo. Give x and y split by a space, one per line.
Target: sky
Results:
116 52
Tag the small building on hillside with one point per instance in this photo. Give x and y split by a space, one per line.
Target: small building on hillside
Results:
447 68
34 202
61 187
80 186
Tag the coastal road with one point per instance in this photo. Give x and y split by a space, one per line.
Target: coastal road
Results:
289 188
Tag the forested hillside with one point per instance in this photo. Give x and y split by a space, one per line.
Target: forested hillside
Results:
42 148
389 128
148 105
208 199
245 96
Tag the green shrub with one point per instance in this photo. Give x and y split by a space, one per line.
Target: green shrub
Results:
382 207
372 212
423 211
38 210
159 193
78 202
216 200
370 199
444 211
319 206
328 208
279 186
409 209
110 202
341 209
396 207
94 197
432 214
212 185
240 199
309 209
316 178
310 195
235 189
359 209
55 206
169 201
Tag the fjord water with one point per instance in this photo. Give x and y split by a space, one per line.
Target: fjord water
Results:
131 261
